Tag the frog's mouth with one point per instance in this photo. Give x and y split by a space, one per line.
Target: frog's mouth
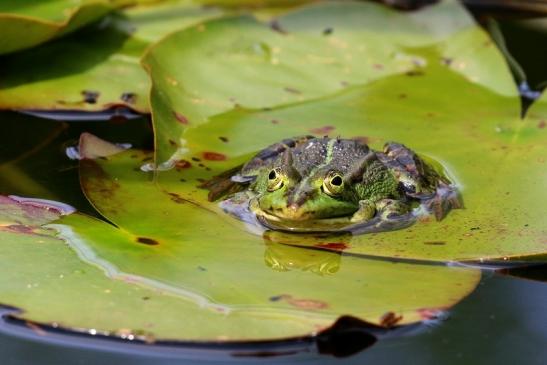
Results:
328 225
274 222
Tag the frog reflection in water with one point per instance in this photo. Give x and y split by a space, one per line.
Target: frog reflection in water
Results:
281 257
329 184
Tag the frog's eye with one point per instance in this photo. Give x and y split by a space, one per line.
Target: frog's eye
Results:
333 183
275 180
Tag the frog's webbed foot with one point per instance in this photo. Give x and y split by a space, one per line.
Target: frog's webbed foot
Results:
366 211
390 209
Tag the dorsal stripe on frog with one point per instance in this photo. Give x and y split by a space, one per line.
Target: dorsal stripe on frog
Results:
298 193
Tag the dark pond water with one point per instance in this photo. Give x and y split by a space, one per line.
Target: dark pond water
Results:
504 321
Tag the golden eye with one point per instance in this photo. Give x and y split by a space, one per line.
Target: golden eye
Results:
333 183
275 180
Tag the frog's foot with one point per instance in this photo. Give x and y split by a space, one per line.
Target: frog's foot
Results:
367 210
390 209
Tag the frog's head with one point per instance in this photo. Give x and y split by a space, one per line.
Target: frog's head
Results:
286 195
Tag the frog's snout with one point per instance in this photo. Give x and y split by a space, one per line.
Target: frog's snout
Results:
293 207
292 211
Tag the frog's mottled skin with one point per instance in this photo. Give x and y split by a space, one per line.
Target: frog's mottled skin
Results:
308 184
307 178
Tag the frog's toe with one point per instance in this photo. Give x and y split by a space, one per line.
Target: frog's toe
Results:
367 210
391 209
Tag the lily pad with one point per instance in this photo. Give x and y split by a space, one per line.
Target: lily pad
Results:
130 287
97 68
490 153
25 24
306 55
450 107
239 275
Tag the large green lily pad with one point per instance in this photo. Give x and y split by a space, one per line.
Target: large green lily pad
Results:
24 24
307 55
137 282
97 68
457 107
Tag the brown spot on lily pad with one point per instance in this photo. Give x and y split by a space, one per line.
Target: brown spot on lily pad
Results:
223 139
300 303
307 303
18 228
147 241
183 164
337 246
177 198
390 319
181 118
292 90
435 243
90 96
214 156
95 179
274 24
542 124
446 61
323 130
414 73
129 98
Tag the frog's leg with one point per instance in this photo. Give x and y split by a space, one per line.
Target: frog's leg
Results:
366 211
222 184
417 178
391 208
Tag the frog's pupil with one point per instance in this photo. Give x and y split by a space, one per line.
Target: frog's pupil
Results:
272 174
336 181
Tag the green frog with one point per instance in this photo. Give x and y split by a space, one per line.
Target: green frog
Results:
305 184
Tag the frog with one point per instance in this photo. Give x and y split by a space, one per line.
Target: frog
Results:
309 183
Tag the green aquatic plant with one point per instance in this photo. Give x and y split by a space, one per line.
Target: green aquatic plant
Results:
167 263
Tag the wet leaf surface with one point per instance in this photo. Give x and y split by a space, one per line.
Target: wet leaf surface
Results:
258 289
174 266
457 106
98 67
24 24
308 55
160 287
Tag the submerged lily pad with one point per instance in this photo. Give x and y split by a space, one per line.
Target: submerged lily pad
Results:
97 68
457 105
139 282
24 24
